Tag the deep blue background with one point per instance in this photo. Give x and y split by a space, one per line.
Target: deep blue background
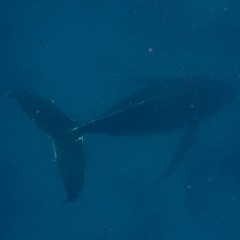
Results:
82 54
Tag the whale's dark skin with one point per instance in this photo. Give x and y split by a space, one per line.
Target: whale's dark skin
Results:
68 151
159 107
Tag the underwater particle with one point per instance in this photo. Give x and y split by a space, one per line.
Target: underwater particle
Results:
150 50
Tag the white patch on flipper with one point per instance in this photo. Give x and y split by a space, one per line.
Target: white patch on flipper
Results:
54 151
80 139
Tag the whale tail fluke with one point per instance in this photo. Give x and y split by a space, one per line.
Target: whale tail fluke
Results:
68 149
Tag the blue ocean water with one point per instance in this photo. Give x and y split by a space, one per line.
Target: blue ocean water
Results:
82 55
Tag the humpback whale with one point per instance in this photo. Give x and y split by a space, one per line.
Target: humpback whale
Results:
160 106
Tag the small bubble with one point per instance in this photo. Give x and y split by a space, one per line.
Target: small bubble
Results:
210 179
150 50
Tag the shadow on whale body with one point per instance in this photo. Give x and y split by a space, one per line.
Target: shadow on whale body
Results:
161 106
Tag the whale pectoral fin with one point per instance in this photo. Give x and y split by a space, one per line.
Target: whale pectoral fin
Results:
43 112
70 159
68 149
180 152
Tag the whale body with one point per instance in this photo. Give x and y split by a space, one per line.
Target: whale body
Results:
160 106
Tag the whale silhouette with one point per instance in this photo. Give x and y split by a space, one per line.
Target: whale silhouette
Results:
160 106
